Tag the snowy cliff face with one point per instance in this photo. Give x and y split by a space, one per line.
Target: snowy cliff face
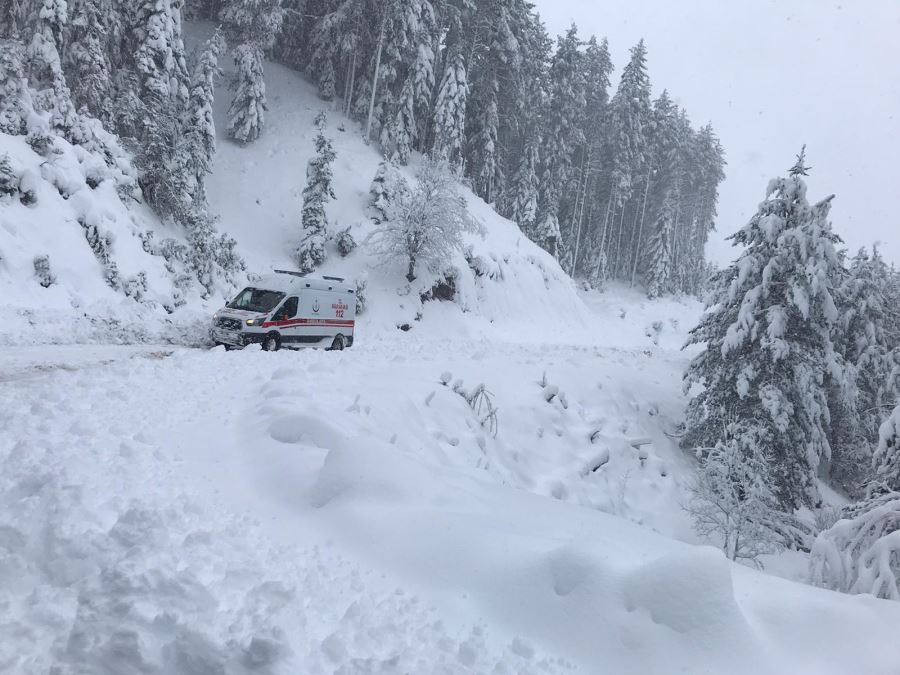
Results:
81 258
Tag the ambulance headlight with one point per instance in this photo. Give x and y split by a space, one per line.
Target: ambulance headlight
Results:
258 321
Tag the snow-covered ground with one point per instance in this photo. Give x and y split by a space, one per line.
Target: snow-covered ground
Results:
197 511
175 510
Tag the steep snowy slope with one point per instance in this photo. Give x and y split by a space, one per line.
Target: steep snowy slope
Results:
75 261
257 192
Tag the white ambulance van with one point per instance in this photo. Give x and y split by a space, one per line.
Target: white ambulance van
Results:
289 309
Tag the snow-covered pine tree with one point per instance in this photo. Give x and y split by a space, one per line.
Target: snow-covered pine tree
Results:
166 178
861 552
630 114
886 461
869 337
706 171
398 135
311 252
406 79
44 67
767 340
489 174
525 188
86 62
564 134
9 180
247 113
14 96
388 191
429 224
251 25
160 56
667 158
450 111
13 19
200 127
658 275
591 170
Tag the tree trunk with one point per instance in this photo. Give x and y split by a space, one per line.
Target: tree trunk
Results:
375 78
640 232
411 270
619 241
578 216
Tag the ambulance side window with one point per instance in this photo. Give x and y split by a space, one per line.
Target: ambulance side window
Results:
288 309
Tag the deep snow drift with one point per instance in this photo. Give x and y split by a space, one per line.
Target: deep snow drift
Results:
203 511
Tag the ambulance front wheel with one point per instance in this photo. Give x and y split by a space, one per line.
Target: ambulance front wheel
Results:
338 344
272 343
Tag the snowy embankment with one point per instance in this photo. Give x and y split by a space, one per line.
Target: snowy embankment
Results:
204 511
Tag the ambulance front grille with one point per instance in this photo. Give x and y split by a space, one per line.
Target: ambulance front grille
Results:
228 324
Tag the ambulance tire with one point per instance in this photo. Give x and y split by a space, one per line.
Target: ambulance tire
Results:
272 342
338 344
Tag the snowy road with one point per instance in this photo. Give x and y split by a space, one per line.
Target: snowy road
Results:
315 512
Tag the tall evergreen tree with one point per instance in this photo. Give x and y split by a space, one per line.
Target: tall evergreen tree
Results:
87 60
200 127
629 126
251 25
44 66
887 455
564 132
767 337
311 253
591 169
450 112
14 96
525 191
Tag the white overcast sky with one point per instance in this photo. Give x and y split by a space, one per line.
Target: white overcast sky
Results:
771 75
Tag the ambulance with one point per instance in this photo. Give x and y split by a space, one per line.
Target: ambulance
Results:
291 310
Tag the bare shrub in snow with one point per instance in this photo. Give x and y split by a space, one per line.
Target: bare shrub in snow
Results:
480 400
361 296
731 500
43 272
428 224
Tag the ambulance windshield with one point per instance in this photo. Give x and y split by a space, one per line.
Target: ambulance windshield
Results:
256 300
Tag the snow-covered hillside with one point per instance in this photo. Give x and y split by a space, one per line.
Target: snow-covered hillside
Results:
255 191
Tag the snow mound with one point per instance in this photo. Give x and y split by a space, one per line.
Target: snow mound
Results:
686 591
